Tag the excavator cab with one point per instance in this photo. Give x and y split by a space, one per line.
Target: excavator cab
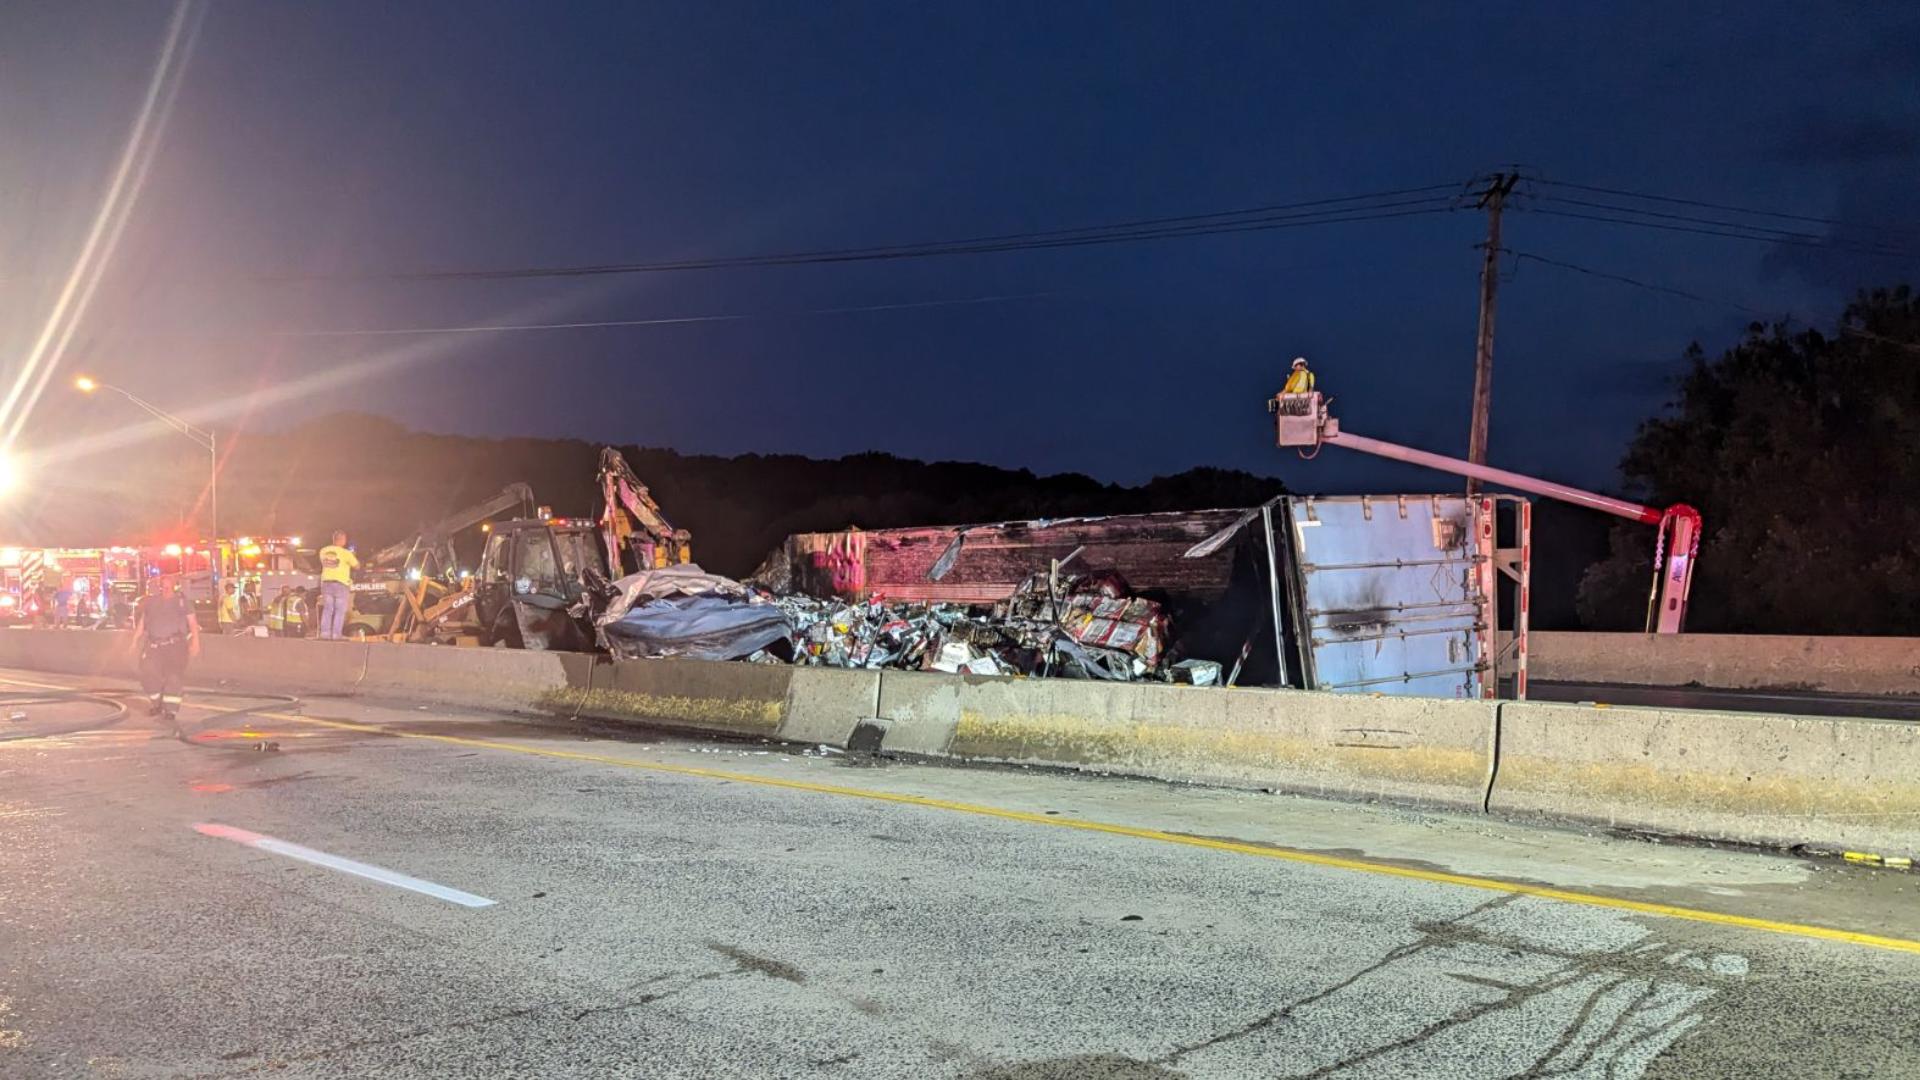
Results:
535 586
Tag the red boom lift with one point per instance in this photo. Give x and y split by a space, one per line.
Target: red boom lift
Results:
1302 421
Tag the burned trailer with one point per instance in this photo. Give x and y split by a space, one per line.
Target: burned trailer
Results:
1366 594
1214 604
985 564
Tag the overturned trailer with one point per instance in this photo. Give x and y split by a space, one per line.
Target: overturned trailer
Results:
1396 594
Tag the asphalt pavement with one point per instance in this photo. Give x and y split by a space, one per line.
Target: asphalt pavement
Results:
400 892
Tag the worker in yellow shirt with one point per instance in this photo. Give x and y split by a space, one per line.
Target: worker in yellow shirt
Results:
229 607
337 564
1301 381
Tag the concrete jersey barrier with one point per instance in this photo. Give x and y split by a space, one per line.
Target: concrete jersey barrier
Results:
511 680
1426 751
1839 784
1758 779
1841 665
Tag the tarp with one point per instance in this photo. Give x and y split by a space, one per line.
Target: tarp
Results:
667 582
685 611
695 627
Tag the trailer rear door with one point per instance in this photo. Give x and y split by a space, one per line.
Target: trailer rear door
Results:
1391 593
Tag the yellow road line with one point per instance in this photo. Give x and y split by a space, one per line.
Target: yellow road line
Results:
1364 866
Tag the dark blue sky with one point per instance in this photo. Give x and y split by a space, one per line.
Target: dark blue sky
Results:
351 138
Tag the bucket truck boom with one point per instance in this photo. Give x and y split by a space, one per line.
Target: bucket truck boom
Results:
1302 421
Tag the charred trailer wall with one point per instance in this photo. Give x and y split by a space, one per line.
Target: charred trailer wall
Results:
992 560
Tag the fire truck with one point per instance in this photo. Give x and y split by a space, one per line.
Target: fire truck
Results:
98 583
259 566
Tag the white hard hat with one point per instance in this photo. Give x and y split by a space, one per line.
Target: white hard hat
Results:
1299 361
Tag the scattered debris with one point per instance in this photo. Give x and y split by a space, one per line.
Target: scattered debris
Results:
1087 625
1197 672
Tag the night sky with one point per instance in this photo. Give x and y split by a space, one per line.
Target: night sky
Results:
314 148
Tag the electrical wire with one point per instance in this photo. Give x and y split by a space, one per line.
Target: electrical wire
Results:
1841 328
1527 256
1767 231
802 259
1723 206
676 320
1827 245
1337 210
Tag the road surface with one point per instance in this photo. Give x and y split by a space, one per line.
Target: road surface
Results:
397 892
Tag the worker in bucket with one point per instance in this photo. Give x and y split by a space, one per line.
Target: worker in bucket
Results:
166 635
337 564
1301 381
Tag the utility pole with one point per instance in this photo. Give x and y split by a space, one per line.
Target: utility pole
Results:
1499 186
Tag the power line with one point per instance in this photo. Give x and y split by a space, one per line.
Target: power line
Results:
1767 231
1527 256
881 255
677 320
1724 234
1670 290
1338 210
1723 206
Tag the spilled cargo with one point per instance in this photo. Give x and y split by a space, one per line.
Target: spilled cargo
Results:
1371 594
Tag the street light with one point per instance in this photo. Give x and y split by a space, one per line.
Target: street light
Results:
86 384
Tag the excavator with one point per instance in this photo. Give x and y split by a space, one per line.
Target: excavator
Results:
541 578
407 581
632 523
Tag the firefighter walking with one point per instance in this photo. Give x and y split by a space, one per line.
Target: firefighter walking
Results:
167 636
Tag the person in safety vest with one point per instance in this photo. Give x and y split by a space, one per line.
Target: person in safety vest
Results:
167 635
297 606
1301 381
288 615
277 613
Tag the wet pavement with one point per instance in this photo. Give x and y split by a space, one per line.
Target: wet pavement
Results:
397 892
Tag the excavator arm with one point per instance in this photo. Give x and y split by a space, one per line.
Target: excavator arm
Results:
630 520
512 497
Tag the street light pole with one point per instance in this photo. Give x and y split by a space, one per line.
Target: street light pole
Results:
202 436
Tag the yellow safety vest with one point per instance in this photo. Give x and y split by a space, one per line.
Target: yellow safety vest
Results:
1300 382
